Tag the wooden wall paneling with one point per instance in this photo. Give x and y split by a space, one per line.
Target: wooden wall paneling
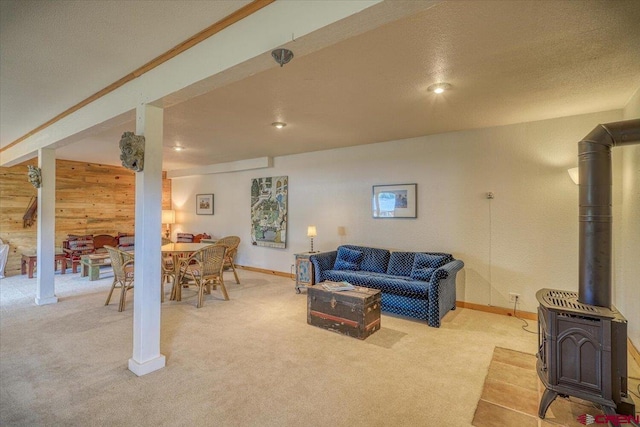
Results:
90 199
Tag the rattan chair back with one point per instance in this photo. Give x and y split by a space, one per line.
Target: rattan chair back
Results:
232 243
122 263
204 269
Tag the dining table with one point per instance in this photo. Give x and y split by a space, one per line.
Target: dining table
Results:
180 250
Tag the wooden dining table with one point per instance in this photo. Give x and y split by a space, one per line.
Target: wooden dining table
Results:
178 251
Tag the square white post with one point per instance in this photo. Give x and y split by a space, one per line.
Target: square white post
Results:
46 246
146 302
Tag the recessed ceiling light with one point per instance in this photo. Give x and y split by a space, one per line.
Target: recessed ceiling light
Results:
439 87
278 125
177 148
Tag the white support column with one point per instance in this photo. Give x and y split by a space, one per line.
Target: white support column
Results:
46 246
146 302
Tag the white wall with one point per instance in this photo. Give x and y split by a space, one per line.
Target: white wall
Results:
523 240
627 287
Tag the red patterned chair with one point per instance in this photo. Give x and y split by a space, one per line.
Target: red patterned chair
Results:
75 246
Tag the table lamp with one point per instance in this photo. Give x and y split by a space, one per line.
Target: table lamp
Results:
168 218
311 232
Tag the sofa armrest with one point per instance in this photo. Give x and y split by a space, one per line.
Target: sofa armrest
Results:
322 262
442 292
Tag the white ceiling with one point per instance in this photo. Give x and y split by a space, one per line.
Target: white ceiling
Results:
508 62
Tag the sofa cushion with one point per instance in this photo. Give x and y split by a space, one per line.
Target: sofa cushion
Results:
398 286
80 242
401 263
374 259
184 238
356 278
348 259
425 264
126 241
422 273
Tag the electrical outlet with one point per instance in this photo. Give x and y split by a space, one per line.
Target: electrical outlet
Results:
513 297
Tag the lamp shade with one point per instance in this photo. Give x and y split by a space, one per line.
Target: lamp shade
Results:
168 216
311 231
574 173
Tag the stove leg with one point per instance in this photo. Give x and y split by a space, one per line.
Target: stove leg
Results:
608 410
547 397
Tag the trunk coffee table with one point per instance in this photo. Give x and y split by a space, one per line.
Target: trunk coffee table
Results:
355 313
90 265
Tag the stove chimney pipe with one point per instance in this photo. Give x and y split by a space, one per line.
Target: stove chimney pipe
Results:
594 161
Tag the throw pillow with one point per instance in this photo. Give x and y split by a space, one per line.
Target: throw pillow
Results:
425 264
401 263
80 243
348 259
422 273
184 238
126 240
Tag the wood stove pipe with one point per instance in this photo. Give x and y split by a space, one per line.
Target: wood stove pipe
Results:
594 157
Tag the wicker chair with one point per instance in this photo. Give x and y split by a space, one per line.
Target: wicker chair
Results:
168 269
204 269
232 243
122 263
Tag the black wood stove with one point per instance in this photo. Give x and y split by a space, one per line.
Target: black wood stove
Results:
582 338
582 352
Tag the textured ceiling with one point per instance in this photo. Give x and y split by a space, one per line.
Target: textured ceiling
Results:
508 62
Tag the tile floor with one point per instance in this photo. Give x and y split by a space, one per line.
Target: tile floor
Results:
512 392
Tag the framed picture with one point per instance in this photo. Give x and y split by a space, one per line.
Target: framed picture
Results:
269 210
204 204
394 201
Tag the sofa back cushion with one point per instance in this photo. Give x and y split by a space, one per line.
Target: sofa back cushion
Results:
184 238
348 259
374 259
80 242
126 242
425 264
401 263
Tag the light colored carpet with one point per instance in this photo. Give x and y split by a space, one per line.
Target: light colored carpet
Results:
250 361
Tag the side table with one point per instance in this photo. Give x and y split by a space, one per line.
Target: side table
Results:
90 265
29 260
304 271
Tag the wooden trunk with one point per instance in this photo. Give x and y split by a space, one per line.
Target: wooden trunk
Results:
354 313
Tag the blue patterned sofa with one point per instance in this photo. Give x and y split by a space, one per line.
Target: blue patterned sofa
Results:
415 284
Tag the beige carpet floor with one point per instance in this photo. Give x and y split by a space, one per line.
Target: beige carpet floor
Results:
250 361
512 392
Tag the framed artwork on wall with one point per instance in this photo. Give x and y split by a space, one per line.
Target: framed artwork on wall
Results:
204 204
394 201
269 207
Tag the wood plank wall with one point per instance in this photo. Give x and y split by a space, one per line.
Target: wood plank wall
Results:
90 199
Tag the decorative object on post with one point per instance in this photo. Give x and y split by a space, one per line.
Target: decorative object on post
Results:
269 211
311 233
282 56
168 218
394 201
35 176
204 204
132 149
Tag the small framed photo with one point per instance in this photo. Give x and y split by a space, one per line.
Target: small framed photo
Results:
204 204
394 201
